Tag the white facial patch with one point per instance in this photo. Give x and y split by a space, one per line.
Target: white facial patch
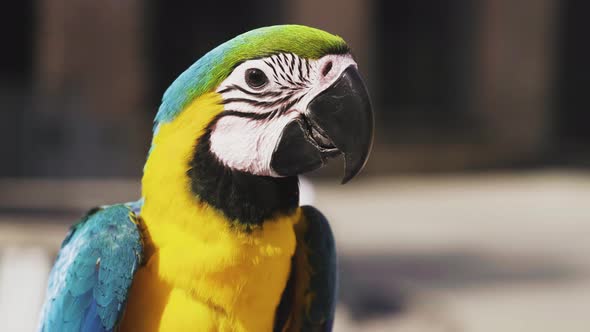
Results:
247 145
245 136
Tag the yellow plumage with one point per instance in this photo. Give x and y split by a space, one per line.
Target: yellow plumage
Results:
203 272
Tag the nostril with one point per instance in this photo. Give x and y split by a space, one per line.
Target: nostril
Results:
327 68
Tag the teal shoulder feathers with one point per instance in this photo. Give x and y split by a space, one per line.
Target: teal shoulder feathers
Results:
94 269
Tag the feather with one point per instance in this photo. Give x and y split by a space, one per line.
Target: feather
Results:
89 282
309 299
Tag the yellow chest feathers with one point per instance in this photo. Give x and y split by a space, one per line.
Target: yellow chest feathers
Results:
204 272
224 281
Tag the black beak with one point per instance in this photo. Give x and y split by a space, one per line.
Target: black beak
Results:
338 120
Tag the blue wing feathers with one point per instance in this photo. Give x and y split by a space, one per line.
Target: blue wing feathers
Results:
323 280
317 245
92 321
88 284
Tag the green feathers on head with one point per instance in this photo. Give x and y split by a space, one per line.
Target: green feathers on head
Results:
206 74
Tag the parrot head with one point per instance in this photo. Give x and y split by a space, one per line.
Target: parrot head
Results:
275 102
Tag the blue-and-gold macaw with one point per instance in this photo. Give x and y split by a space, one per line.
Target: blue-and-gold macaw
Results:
218 241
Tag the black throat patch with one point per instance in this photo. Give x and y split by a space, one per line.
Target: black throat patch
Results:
246 198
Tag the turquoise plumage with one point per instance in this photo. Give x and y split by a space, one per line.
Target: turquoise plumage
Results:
88 284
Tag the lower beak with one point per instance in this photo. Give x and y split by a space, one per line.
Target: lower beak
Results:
338 120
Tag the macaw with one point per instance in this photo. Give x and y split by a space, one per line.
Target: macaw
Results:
218 241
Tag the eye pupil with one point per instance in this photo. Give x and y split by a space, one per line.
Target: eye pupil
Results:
256 78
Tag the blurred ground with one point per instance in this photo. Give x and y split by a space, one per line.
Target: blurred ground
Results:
498 252
476 253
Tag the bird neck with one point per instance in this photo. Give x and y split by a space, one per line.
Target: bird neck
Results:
243 197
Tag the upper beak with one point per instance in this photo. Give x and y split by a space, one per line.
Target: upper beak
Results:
343 114
337 120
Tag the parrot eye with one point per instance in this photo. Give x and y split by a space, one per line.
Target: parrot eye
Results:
256 78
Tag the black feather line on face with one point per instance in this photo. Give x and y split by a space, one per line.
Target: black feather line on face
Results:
248 115
300 69
234 87
292 65
283 76
258 103
244 198
275 59
274 71
280 63
290 81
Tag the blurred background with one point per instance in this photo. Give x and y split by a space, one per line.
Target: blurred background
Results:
472 214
